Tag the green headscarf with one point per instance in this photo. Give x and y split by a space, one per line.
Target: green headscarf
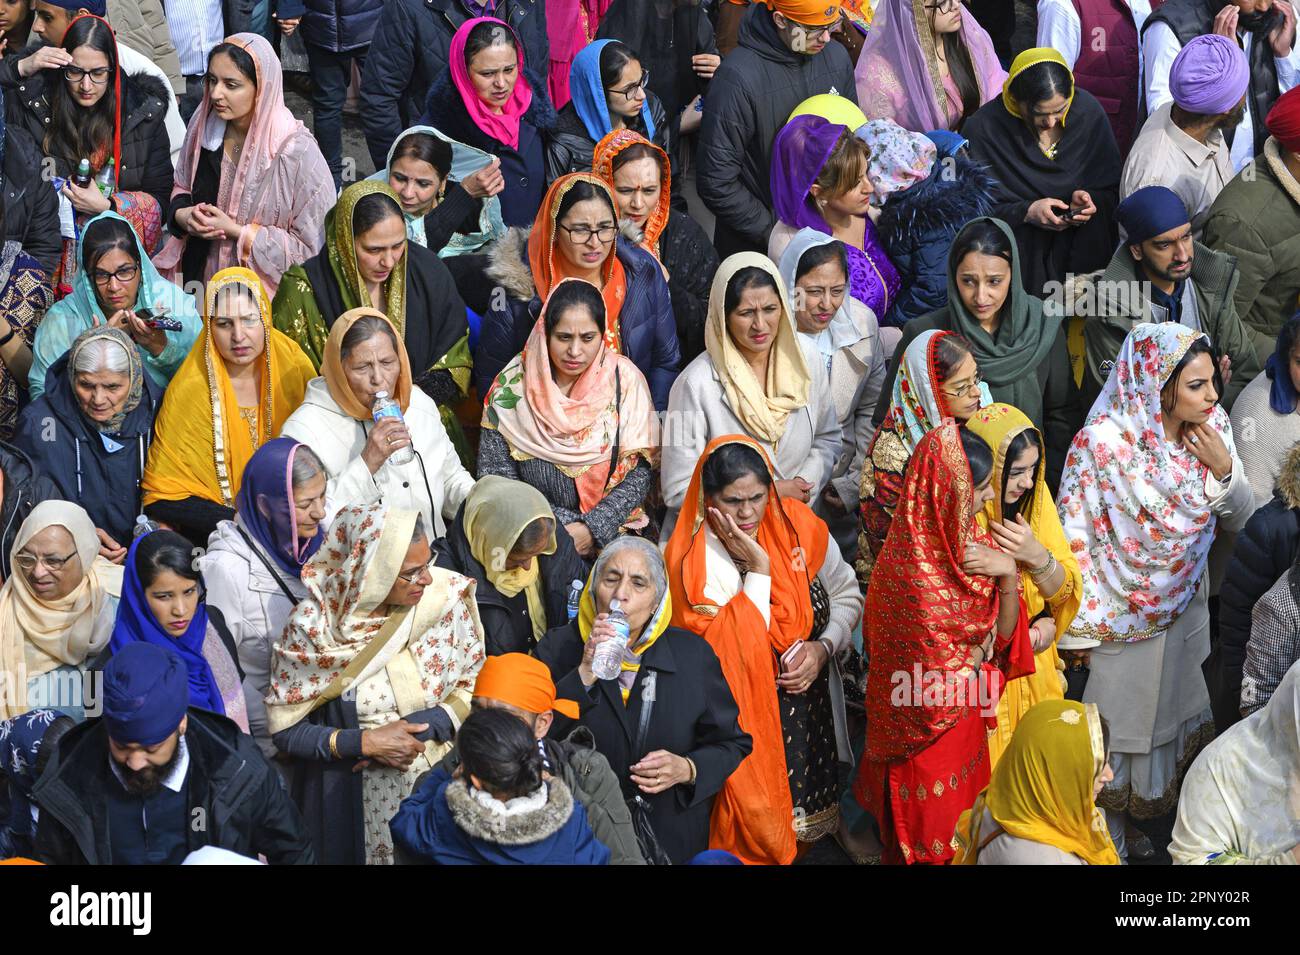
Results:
340 242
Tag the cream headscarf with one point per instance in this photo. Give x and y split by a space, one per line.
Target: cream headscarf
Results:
37 636
497 511
763 412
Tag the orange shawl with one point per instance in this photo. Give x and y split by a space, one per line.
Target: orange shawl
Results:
550 268
602 164
753 815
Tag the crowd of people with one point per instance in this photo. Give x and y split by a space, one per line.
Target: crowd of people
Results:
715 427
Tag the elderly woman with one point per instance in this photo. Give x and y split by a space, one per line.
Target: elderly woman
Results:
90 432
668 723
505 539
363 358
758 377
246 377
404 641
56 610
253 563
115 282
778 625
581 426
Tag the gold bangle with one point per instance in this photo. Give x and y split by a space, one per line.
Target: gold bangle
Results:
334 744
691 763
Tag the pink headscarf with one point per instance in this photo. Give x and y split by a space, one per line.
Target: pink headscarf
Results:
503 126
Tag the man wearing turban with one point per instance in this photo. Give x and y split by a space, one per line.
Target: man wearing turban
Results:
1182 144
153 779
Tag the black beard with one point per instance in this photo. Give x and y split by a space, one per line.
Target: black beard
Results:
1259 22
147 781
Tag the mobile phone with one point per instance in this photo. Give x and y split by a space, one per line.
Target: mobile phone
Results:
1068 215
793 656
156 321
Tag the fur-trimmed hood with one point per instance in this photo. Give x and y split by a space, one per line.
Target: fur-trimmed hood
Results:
518 829
958 190
1288 479
508 264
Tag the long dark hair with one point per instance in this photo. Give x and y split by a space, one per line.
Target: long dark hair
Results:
962 71
1018 446
76 131
164 550
1041 82
978 454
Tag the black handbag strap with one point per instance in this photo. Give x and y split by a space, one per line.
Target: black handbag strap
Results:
618 423
267 564
647 707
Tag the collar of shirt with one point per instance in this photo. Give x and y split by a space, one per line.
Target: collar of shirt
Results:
1196 151
175 779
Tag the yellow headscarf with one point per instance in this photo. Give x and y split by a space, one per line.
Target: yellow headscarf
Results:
1032 57
762 412
1042 788
201 440
497 511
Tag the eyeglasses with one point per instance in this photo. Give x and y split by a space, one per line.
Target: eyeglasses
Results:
125 274
28 562
964 390
630 92
813 33
582 234
414 575
98 76
944 6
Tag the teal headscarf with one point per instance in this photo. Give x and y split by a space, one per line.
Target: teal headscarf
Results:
465 160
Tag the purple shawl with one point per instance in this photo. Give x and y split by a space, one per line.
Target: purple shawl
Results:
799 153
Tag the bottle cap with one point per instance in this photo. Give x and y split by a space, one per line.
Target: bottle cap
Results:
613 605
381 394
576 585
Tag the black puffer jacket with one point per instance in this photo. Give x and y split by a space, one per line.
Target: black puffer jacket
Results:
334 25
146 148
24 487
31 205
1264 551
570 146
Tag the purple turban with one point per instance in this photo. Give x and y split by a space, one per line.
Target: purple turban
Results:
1210 75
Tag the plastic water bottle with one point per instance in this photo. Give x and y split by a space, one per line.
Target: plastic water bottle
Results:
143 526
575 599
106 180
608 659
386 407
82 176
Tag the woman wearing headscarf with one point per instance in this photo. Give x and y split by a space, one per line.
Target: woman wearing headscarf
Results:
1022 518
368 262
846 337
403 640
25 297
90 432
252 187
489 100
575 236
638 172
1039 807
574 420
571 27
56 610
363 357
778 626
231 395
757 377
1238 802
927 66
937 378
505 539
1146 482
1051 149
820 181
253 563
163 603
943 610
114 282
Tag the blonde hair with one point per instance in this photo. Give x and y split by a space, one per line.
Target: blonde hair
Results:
845 167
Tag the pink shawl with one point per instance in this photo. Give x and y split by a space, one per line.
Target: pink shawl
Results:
503 126
898 74
281 189
570 25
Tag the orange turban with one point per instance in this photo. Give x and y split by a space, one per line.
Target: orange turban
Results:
522 681
813 13
1283 120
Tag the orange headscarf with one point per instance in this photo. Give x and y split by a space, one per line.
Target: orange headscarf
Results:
549 269
753 816
331 366
602 164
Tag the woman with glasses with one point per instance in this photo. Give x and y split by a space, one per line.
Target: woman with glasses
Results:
1018 344
488 100
363 357
88 109
927 65
1051 148
56 609
90 432
609 88
116 285
575 237
232 394
371 678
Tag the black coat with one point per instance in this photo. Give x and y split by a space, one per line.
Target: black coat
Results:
408 54
58 438
334 25
570 147
232 788
24 487
694 715
750 99
146 147
31 207
691 261
506 627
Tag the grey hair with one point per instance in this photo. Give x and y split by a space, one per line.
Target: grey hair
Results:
362 330
306 465
654 561
418 533
102 354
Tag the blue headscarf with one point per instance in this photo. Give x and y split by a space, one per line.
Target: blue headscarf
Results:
269 475
1282 396
20 745
136 623
589 96
947 142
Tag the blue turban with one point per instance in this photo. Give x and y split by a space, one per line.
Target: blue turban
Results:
98 7
146 693
948 142
1149 212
